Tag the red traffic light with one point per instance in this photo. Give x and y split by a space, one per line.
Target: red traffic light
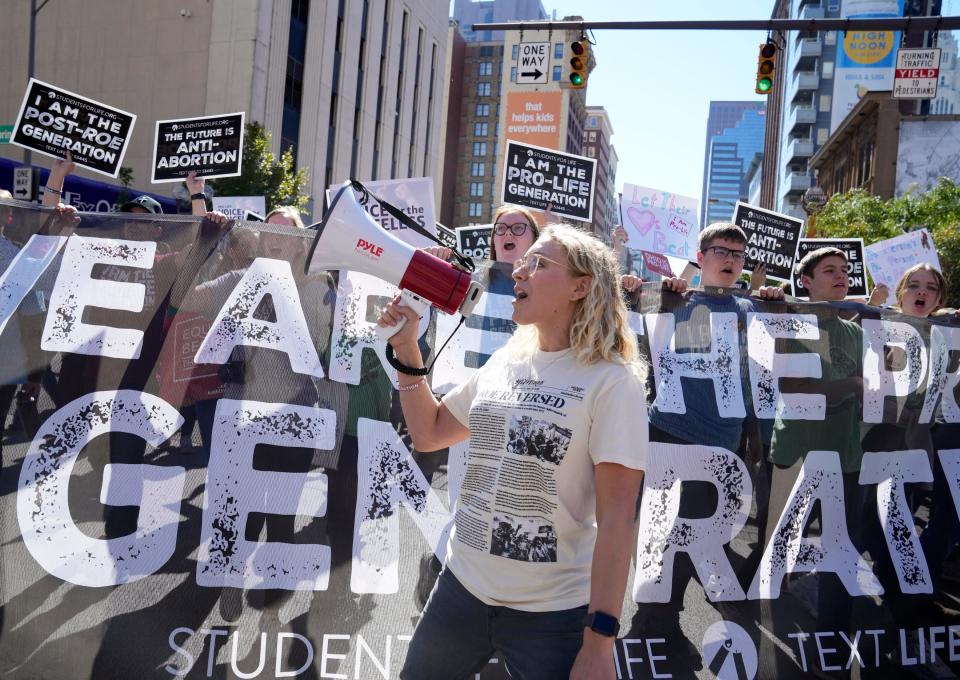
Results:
768 50
577 48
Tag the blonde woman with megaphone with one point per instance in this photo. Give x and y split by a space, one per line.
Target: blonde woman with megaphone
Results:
538 557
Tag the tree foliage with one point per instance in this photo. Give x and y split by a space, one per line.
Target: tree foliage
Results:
263 174
858 214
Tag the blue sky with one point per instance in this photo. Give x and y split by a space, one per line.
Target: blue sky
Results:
657 85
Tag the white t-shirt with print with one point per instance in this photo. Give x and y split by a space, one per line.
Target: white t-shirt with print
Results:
525 523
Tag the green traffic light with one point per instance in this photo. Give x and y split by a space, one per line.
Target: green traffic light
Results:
764 85
576 79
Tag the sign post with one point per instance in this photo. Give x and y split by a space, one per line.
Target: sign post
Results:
533 63
917 73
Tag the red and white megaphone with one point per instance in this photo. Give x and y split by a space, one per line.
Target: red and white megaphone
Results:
348 238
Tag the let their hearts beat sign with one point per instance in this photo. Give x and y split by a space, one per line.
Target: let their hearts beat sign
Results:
660 222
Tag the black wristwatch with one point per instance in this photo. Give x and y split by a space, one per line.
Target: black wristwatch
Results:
199 196
603 624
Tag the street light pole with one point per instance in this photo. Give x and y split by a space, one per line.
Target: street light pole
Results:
27 155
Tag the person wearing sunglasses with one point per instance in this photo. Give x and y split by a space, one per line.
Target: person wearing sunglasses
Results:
538 557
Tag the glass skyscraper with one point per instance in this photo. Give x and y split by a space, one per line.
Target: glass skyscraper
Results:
728 156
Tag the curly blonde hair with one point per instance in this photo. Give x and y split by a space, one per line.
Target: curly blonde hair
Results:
600 330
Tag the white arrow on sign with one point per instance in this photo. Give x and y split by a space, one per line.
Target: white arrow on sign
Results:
23 184
533 63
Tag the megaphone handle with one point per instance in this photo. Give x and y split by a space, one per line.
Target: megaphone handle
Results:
415 302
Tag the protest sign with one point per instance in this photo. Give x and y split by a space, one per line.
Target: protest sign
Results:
657 263
236 207
851 247
53 121
211 145
446 236
474 241
660 222
301 521
887 260
771 239
539 178
413 196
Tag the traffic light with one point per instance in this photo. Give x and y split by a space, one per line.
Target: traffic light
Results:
580 50
766 66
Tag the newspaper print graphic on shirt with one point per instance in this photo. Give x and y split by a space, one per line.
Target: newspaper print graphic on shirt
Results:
509 496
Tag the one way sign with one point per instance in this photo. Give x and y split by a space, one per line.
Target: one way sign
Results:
533 63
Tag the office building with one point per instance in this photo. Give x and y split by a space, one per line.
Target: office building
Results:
597 133
722 115
470 12
729 155
353 87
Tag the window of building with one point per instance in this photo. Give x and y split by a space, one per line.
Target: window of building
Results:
830 38
516 52
827 70
592 136
486 68
483 110
477 169
479 129
865 162
476 188
557 72
824 103
839 177
513 74
479 148
822 135
486 51
475 209
483 89
558 50
590 151
594 122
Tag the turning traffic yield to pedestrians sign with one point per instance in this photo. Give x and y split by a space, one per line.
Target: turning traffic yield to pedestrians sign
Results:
917 73
533 63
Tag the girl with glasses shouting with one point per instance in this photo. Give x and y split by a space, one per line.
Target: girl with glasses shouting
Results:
538 556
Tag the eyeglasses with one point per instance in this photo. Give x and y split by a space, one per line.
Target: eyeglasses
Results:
724 253
532 263
518 229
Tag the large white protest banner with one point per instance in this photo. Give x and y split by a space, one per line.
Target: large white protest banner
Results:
660 222
212 146
887 260
53 121
544 179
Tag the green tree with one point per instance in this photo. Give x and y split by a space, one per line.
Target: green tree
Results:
858 214
263 174
125 175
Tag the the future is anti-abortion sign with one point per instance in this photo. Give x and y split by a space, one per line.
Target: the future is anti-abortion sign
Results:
211 146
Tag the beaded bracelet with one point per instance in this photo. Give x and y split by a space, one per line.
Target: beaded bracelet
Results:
412 386
58 192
